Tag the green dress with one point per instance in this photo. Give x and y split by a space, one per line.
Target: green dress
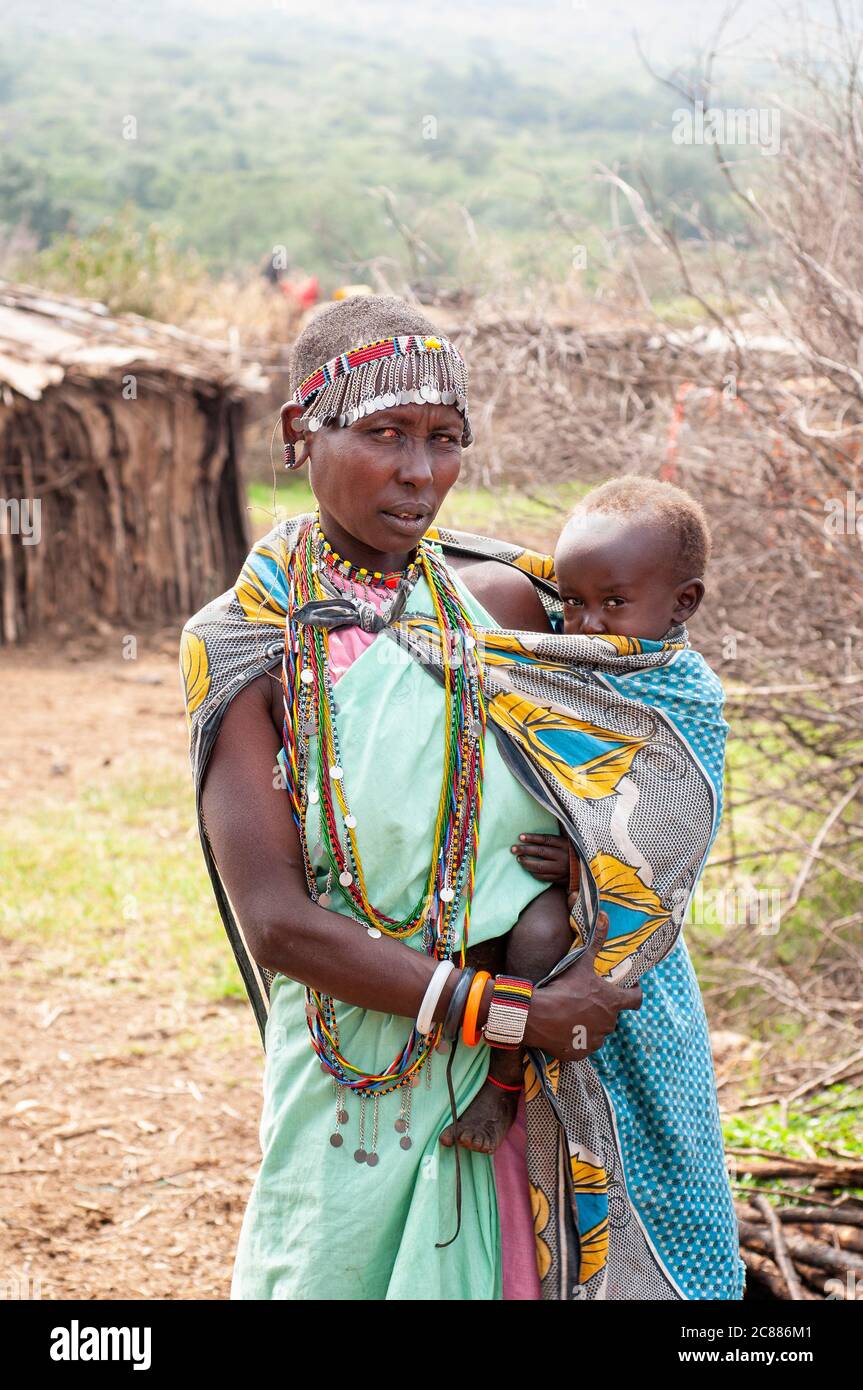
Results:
320 1225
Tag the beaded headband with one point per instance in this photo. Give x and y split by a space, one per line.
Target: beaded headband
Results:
411 369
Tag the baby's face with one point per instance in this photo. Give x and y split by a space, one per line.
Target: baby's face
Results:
615 575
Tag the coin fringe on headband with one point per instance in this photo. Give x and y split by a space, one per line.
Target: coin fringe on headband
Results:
412 369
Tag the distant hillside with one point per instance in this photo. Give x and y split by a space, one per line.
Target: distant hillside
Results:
248 127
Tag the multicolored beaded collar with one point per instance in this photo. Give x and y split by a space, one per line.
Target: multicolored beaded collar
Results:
375 579
408 369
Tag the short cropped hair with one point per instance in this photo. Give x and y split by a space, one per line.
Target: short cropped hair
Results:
651 499
350 323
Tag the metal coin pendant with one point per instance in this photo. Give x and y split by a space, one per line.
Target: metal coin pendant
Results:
447 895
307 675
342 1117
406 1142
337 1140
400 1126
346 879
350 822
372 1159
324 900
374 931
360 1155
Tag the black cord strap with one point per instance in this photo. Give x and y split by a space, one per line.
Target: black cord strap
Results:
451 1025
441 1244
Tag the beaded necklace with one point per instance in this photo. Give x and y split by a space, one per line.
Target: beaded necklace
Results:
343 569
310 707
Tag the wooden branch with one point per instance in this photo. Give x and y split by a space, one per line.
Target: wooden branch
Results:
801 1247
780 1249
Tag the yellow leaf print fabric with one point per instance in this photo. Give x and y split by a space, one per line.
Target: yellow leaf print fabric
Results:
195 671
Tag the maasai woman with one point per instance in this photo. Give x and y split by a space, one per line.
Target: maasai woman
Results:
351 899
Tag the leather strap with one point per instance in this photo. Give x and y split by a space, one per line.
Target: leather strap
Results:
574 871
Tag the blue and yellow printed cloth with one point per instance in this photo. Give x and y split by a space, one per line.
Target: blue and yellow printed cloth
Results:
623 740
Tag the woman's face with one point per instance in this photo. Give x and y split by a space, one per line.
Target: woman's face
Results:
380 482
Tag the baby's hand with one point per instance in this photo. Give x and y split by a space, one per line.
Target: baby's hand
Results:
544 856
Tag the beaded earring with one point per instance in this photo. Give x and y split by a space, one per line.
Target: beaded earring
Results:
291 460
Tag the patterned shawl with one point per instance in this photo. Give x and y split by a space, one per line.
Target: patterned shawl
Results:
623 740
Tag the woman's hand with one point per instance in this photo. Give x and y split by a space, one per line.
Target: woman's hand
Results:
572 1016
544 856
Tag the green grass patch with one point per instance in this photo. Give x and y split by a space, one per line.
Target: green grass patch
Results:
114 881
824 1126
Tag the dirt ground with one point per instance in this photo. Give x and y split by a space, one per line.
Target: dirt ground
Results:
123 1174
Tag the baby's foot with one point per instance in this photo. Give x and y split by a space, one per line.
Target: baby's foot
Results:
484 1125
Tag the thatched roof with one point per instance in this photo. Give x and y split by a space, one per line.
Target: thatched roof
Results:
48 338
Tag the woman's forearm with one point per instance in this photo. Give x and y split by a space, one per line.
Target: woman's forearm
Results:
335 955
250 828
256 847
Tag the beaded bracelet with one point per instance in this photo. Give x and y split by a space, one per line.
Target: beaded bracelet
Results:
507 1013
502 1085
452 1021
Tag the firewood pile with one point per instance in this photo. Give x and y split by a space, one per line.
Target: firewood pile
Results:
808 1251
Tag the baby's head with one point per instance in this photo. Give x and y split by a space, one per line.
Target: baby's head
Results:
630 559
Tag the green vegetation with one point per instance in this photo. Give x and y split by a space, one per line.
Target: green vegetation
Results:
760 766
819 1126
114 881
825 1125
227 132
131 269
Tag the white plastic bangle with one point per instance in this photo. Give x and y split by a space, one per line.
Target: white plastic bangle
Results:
432 995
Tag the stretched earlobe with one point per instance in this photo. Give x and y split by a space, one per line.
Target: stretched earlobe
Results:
292 438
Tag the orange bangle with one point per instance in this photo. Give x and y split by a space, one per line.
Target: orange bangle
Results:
469 1029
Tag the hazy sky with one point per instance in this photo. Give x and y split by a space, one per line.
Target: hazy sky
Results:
578 33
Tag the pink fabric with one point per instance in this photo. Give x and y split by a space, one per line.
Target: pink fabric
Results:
518 1247
347 643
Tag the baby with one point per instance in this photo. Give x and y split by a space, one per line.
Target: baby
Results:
629 562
